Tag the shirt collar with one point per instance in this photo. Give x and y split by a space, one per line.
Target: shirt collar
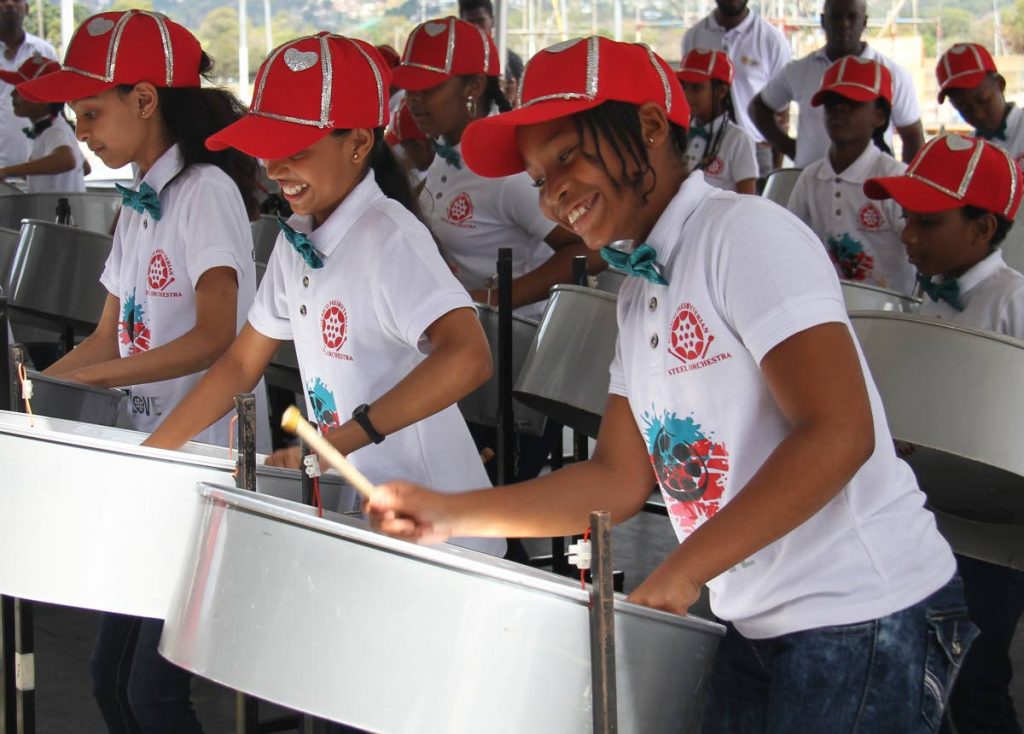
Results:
981 271
743 27
868 53
161 173
326 237
669 229
857 172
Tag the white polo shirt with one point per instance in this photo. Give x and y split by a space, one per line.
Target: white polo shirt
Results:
359 326
1013 140
758 51
992 294
733 161
861 236
57 135
474 216
800 79
153 270
744 276
14 146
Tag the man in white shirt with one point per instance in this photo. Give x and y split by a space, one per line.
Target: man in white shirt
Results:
758 51
844 22
19 47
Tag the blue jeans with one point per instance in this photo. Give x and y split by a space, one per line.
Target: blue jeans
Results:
891 674
139 692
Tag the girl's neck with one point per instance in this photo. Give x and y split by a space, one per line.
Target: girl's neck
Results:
657 202
843 155
43 116
709 120
152 149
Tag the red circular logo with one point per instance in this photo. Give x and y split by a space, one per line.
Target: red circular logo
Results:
870 217
690 338
715 166
334 325
460 209
160 273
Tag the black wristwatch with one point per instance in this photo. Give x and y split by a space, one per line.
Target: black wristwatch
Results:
361 415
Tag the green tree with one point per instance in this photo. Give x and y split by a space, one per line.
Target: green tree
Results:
51 20
218 34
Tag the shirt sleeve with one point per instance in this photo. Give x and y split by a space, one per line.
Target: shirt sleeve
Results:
779 92
773 279
214 227
520 203
269 311
744 164
905 110
111 276
779 53
1011 316
617 376
53 138
799 199
687 45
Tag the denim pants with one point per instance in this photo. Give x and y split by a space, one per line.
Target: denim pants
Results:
891 674
139 692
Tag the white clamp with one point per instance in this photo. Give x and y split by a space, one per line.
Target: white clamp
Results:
26 389
312 465
580 554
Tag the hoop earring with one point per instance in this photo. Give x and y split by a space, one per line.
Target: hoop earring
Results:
471 106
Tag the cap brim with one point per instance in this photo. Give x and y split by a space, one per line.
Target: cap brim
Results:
414 79
911 194
266 138
857 94
967 81
692 76
62 86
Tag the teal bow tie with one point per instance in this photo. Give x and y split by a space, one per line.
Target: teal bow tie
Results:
448 153
143 200
302 245
701 131
642 262
948 291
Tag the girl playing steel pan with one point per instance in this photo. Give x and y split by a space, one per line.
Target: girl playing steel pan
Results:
738 389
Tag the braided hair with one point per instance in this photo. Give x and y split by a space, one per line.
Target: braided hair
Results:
728 107
878 136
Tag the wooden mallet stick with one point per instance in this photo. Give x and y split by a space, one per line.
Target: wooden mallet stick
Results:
293 422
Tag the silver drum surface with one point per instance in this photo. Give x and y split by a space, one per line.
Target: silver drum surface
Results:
864 297
74 401
565 376
92 211
330 618
90 519
8 246
953 395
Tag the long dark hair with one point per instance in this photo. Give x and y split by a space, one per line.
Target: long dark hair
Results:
878 136
729 108
618 124
192 115
390 175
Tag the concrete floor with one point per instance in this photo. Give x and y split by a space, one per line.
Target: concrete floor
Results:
64 639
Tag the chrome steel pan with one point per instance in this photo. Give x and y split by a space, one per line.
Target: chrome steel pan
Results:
327 617
89 519
481 405
565 376
954 395
610 280
264 235
8 246
93 211
56 273
864 297
780 185
74 401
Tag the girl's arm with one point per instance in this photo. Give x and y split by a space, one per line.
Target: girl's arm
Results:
60 160
193 351
459 362
618 478
746 186
100 346
238 370
816 379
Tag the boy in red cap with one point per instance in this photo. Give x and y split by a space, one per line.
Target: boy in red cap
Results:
737 387
412 147
55 162
961 196
969 77
862 236
718 146
180 278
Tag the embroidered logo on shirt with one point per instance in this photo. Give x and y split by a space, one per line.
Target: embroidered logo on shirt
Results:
714 167
132 329
691 468
870 218
848 255
325 409
460 210
160 275
334 328
690 341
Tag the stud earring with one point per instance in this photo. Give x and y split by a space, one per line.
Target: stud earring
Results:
355 156
650 140
471 106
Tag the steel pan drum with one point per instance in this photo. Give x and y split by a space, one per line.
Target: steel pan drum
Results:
264 235
90 519
8 246
864 297
91 211
953 394
565 376
610 280
56 273
327 617
74 401
481 405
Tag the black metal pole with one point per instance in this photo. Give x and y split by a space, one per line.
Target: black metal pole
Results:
602 625
5 345
307 481
506 419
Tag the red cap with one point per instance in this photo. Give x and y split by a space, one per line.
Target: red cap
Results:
440 49
861 80
36 66
567 78
954 171
403 127
963 66
390 56
703 64
124 47
306 89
